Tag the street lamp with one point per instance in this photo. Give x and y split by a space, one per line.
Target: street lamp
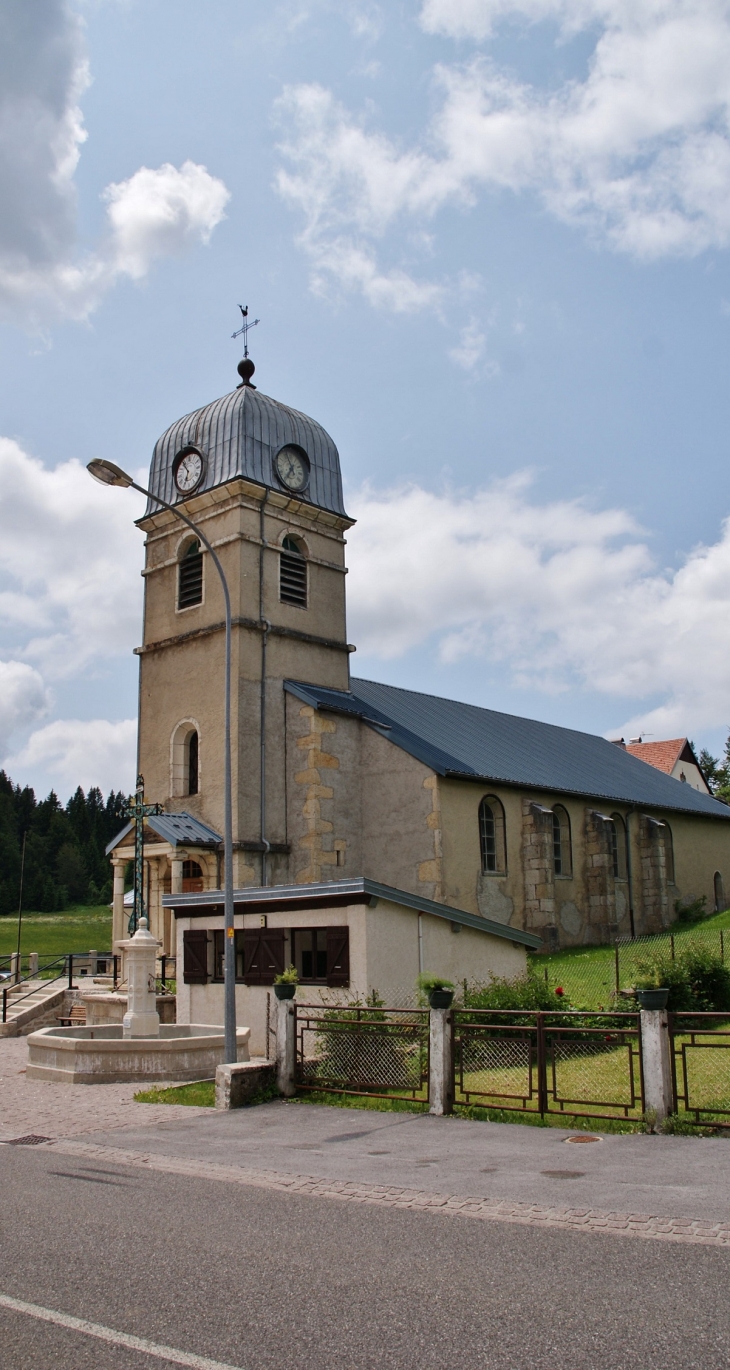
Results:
109 474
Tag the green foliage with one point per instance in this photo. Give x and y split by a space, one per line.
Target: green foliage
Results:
698 981
201 1094
287 977
717 771
64 856
427 981
529 993
54 934
693 912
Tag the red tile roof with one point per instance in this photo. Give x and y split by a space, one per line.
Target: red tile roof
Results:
663 755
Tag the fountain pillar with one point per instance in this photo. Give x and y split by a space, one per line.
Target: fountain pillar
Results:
141 1018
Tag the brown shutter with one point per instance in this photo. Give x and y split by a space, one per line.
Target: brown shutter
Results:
338 956
263 955
195 956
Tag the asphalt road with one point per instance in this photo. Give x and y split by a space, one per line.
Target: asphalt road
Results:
257 1278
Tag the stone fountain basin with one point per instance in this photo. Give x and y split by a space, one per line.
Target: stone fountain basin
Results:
102 1055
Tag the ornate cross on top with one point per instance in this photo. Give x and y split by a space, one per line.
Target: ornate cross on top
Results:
137 810
244 328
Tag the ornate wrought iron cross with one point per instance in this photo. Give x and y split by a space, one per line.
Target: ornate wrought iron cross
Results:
245 327
137 810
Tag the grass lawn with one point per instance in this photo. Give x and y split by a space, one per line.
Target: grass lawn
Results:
200 1093
588 974
52 934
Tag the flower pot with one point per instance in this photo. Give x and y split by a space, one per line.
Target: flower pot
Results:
441 998
652 998
285 991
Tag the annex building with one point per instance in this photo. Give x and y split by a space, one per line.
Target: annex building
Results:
396 816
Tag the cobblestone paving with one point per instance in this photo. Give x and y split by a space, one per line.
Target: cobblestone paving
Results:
44 1109
646 1225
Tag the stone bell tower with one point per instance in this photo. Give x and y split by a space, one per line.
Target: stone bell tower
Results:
263 482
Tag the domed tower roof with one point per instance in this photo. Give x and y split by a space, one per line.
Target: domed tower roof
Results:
241 435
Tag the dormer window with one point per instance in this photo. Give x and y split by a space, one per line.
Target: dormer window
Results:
190 576
292 573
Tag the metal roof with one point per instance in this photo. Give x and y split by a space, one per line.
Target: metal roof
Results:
469 742
179 829
239 435
357 890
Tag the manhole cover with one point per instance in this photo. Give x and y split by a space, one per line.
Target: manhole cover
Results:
585 1138
563 1174
30 1140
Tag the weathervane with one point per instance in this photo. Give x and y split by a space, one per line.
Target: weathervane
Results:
244 328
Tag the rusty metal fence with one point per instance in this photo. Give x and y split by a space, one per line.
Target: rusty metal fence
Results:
700 1046
584 1065
359 1050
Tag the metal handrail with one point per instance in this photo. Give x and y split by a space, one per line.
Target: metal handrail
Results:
18 999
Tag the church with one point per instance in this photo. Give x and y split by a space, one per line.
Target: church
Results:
401 816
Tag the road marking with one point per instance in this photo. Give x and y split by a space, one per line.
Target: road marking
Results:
650 1226
95 1329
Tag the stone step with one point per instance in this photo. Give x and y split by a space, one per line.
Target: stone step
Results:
39 1002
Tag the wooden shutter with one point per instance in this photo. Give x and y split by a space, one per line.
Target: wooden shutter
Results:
263 955
195 956
338 956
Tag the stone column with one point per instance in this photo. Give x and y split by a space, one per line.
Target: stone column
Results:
118 924
286 1046
600 881
441 1061
14 968
141 1018
652 877
657 1062
33 963
176 867
539 872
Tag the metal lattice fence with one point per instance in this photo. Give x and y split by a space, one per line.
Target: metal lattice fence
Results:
594 978
579 1065
356 1050
701 1067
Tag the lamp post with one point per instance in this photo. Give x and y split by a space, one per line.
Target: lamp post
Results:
109 474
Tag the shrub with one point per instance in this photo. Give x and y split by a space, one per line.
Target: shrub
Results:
693 912
287 977
698 981
529 993
427 981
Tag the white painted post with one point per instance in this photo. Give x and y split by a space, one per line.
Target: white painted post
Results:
141 1018
14 967
33 963
286 1047
656 1062
441 1061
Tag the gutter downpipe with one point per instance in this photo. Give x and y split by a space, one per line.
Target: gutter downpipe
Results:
262 709
629 877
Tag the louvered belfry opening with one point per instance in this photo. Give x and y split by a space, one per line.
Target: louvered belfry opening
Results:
190 577
292 574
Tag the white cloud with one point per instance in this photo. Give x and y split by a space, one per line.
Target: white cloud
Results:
637 152
23 699
70 558
470 350
75 752
43 270
567 597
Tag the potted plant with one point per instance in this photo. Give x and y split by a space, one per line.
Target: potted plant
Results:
285 985
440 991
650 993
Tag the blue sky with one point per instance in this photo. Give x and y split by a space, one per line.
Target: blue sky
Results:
488 244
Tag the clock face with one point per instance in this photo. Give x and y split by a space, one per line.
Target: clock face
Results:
292 468
188 471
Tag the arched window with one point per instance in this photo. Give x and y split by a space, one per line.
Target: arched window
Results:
492 836
668 853
185 760
719 893
562 854
190 576
192 877
292 573
617 844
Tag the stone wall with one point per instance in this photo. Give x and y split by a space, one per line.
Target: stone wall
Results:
538 872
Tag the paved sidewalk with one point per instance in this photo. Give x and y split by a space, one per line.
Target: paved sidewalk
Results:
43 1109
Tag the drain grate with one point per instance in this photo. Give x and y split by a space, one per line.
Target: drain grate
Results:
30 1140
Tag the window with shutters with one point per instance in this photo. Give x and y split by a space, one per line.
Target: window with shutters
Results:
292 574
322 955
263 955
190 576
195 956
491 836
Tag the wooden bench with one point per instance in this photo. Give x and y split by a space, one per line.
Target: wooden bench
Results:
76 1018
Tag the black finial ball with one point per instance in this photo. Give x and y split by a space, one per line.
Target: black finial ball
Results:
246 369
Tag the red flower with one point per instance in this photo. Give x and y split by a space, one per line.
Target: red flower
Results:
559 990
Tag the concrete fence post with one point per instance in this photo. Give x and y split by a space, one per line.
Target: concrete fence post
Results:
286 1047
441 1061
14 967
33 963
657 1062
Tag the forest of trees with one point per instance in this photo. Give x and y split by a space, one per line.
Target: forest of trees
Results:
716 771
64 855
